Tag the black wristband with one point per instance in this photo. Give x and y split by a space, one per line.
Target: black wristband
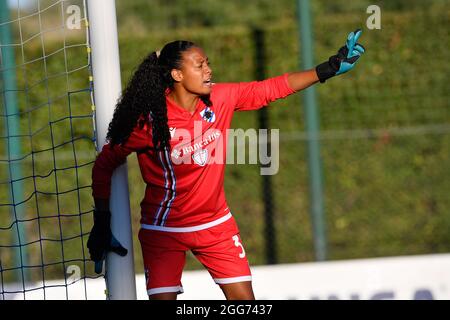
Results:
325 71
102 217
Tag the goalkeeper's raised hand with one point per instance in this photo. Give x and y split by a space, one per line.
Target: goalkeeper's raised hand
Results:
101 240
344 60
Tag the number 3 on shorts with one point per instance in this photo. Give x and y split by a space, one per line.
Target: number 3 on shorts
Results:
237 243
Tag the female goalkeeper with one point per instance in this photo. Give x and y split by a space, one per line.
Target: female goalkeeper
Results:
175 118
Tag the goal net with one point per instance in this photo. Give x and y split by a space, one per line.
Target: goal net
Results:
47 149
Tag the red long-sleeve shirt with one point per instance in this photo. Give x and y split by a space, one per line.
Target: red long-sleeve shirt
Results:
185 185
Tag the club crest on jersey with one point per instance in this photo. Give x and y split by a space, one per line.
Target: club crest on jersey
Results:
200 157
208 115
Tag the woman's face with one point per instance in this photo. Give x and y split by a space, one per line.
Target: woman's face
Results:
194 74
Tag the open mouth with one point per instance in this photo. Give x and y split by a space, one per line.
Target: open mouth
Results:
207 83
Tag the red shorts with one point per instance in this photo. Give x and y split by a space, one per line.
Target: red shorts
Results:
218 248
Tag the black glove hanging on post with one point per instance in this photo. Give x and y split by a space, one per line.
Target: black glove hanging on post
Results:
344 60
101 240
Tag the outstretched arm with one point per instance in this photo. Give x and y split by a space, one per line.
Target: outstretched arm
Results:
302 79
340 63
254 95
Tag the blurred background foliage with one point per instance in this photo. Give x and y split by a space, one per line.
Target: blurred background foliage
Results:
385 126
156 15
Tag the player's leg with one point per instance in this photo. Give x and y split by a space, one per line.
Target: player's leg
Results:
221 251
238 291
164 259
164 296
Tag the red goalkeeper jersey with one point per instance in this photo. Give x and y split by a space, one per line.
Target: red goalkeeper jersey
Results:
185 184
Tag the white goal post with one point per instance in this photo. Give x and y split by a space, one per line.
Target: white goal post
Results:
120 277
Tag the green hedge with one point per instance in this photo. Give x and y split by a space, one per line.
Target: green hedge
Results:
385 146
385 192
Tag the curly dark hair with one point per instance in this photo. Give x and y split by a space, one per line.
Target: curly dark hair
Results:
145 96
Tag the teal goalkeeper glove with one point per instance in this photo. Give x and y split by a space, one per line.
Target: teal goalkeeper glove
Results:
344 60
